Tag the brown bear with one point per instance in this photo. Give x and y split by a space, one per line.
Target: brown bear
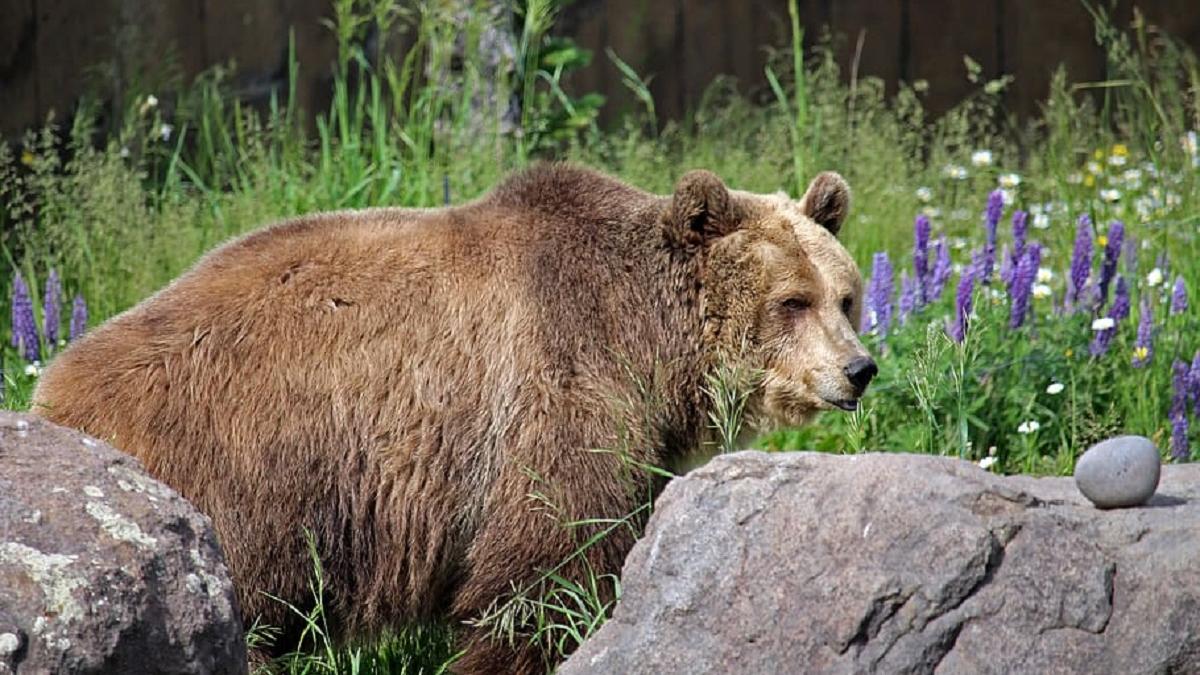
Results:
437 395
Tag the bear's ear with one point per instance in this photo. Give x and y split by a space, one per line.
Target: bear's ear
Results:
827 201
701 209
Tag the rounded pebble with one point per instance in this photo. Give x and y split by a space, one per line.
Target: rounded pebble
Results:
1119 472
9 643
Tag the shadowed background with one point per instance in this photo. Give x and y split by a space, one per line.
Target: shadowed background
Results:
52 50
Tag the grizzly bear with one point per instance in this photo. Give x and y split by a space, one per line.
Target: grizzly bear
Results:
442 397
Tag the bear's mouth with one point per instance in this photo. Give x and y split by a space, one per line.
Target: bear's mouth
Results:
847 404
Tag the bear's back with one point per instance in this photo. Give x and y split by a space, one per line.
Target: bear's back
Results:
335 316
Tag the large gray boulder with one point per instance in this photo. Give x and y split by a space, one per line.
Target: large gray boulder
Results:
103 569
889 563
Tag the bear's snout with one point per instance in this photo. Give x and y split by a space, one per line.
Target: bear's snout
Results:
860 371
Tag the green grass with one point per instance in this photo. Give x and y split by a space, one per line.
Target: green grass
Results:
413 650
120 214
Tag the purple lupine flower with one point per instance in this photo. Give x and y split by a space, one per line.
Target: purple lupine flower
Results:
879 293
1143 347
1121 303
921 229
995 207
1118 312
1194 384
1022 286
1081 260
908 296
51 308
1178 414
1112 253
1020 226
1179 439
963 300
1102 341
24 324
1008 265
1182 386
1179 300
941 270
79 317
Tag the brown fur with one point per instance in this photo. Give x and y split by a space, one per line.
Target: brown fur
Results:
402 381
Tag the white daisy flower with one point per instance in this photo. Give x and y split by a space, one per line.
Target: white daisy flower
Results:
1009 180
924 194
981 158
1154 278
147 105
1110 195
1103 323
1045 275
1041 291
1055 388
1028 427
1041 221
987 463
955 171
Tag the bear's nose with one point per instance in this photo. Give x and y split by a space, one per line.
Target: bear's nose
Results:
860 371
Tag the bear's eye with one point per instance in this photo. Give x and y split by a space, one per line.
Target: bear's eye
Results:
797 304
847 305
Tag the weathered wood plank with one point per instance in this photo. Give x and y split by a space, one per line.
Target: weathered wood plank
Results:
48 47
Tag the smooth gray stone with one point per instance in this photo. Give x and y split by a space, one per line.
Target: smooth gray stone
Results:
1119 472
797 562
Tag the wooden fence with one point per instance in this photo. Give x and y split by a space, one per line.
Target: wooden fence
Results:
48 47
685 43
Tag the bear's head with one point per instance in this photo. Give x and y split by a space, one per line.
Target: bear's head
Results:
782 297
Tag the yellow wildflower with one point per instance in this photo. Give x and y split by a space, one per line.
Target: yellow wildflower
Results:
1099 154
1120 150
1089 180
27 158
1069 353
1141 353
1102 240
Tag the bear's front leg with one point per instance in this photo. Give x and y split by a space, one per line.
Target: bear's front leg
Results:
535 526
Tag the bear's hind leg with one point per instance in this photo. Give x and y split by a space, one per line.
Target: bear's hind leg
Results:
484 654
523 542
